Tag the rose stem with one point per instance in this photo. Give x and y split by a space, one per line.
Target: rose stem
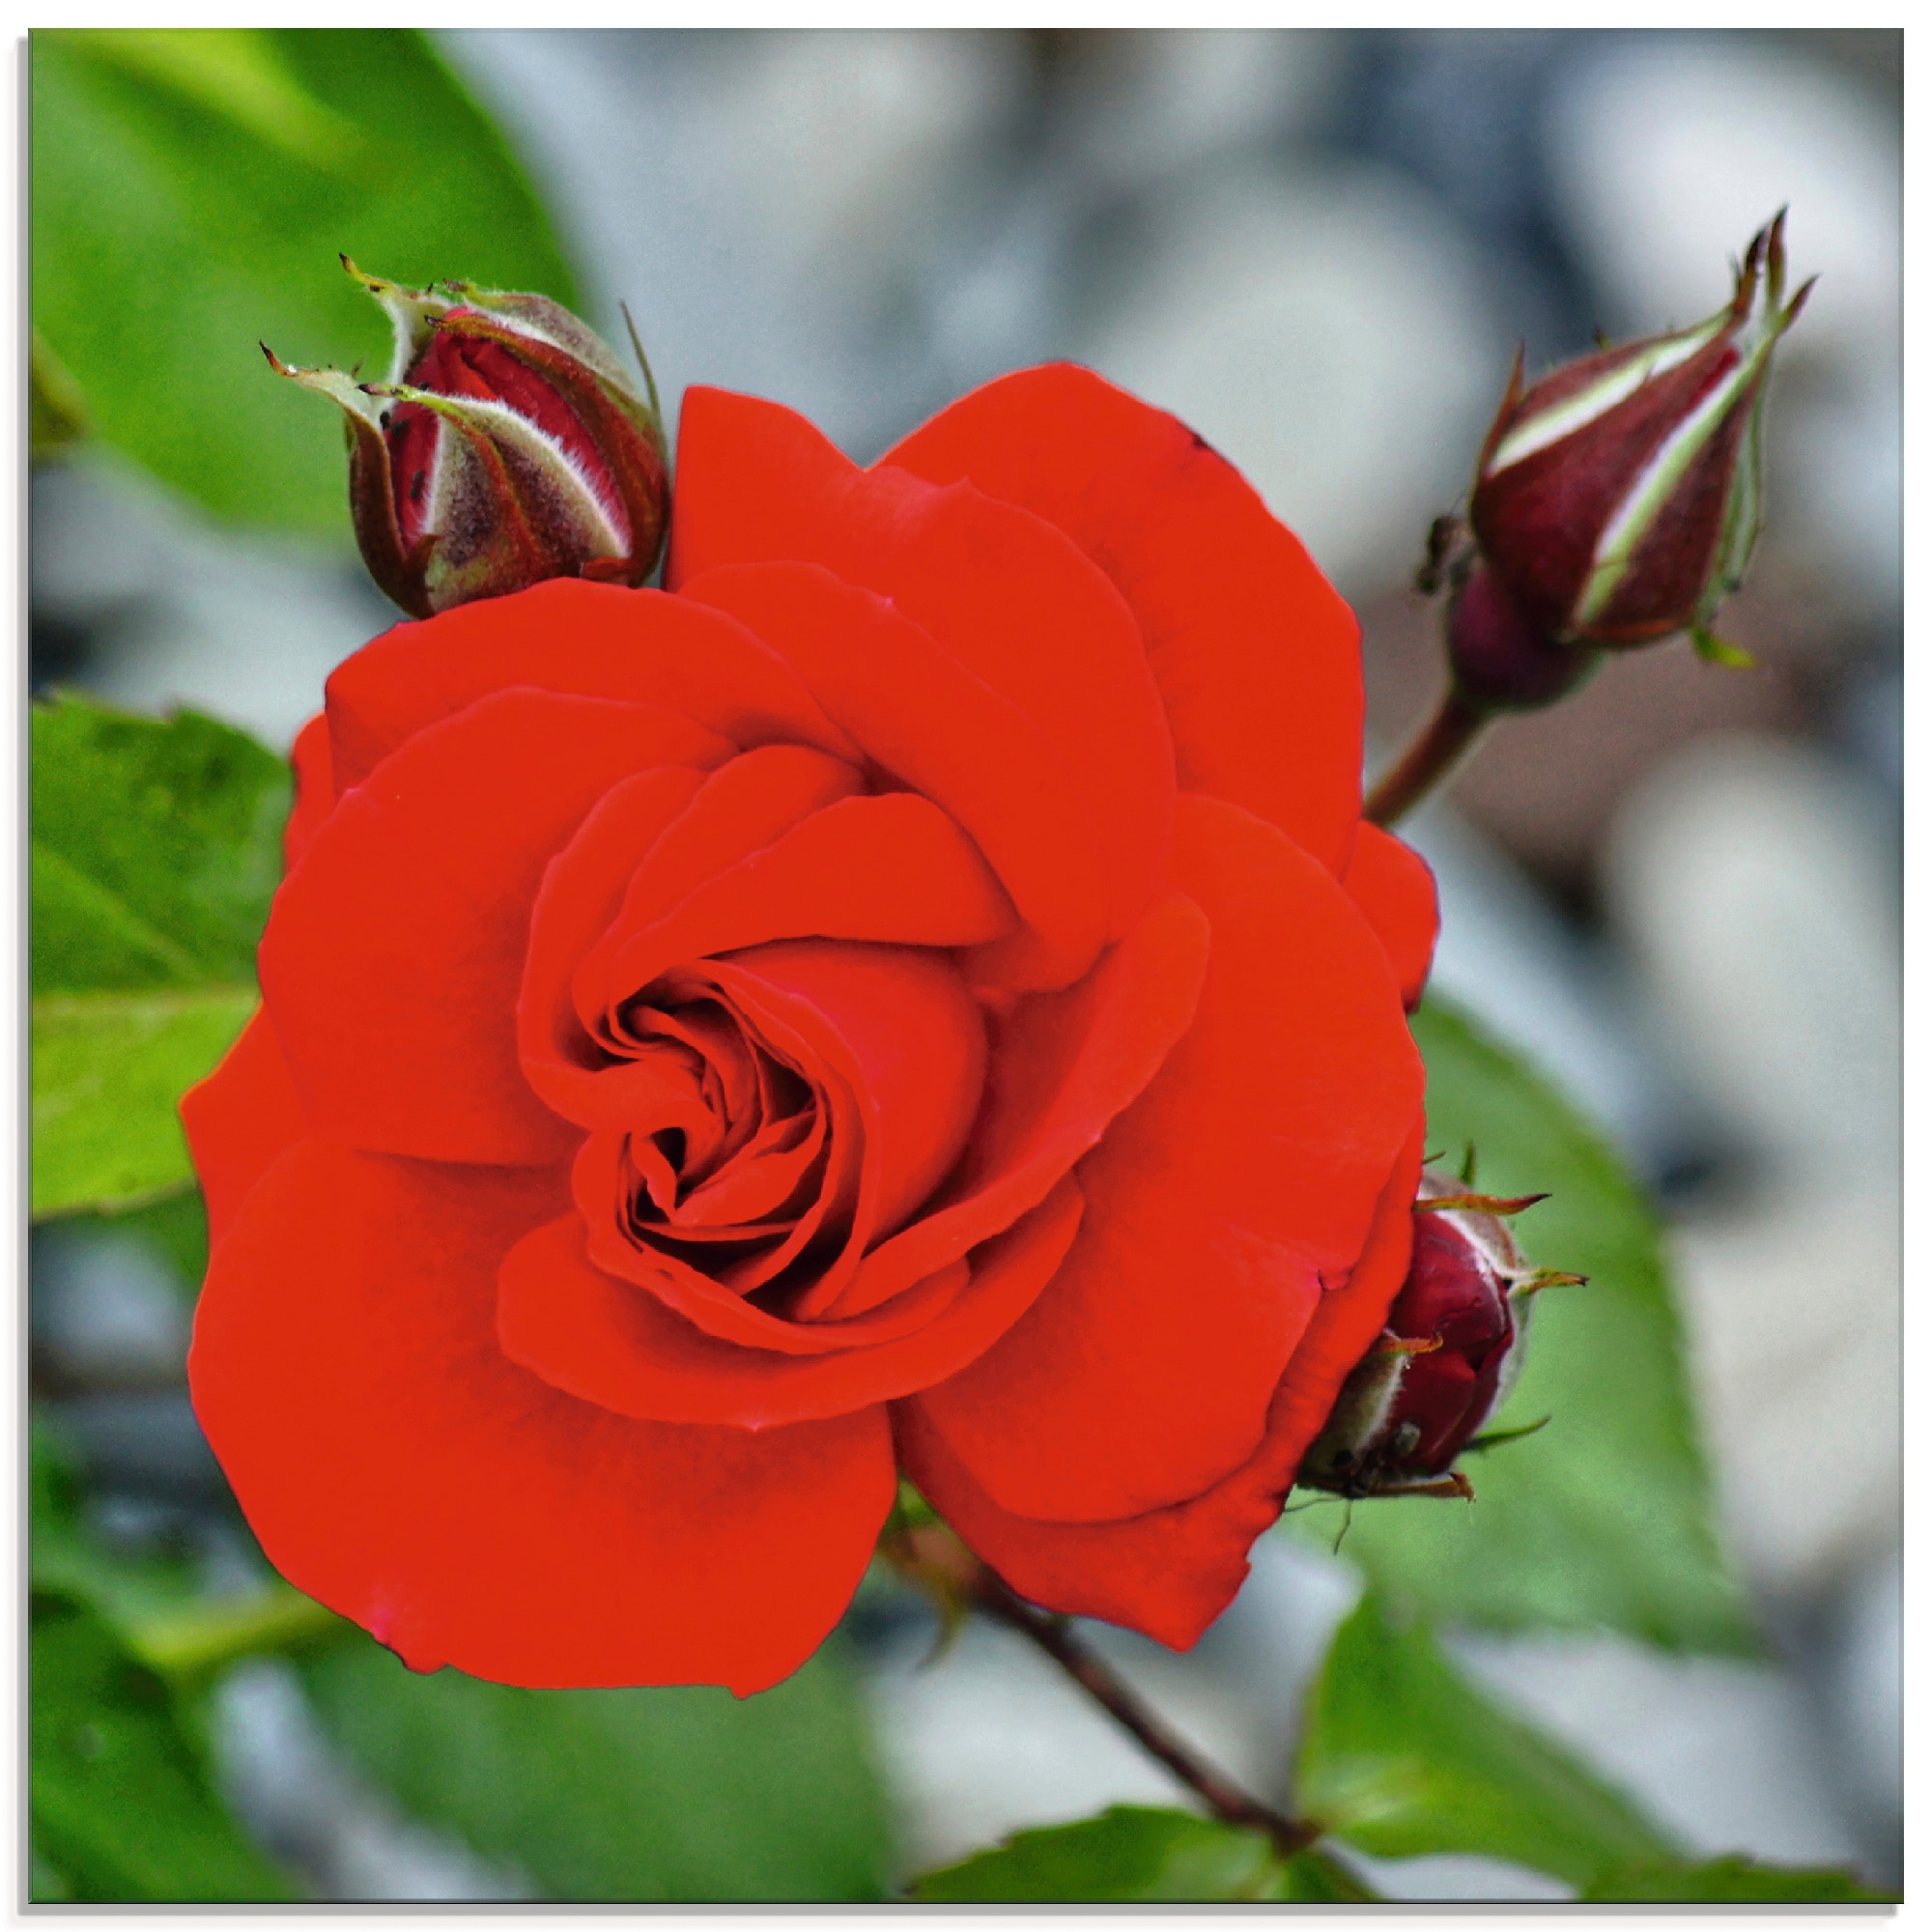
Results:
1429 759
1223 1796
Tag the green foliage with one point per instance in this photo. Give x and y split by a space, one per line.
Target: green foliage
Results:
65 1556
1603 1518
1729 1881
156 849
682 1794
155 852
122 1804
1402 1757
1135 1854
190 193
173 1228
56 412
110 1070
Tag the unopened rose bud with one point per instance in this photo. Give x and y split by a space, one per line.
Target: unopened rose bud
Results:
1616 500
1446 1357
508 445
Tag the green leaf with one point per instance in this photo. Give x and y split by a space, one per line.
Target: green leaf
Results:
122 1808
683 1794
191 190
56 409
155 1602
1733 1881
108 1072
66 1556
1402 1757
1137 1854
173 1228
155 852
1604 1518
157 847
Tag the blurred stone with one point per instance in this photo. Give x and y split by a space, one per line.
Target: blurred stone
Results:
1723 1753
1545 784
1455 1881
1326 329
178 610
1756 887
1461 110
766 203
1863 1698
1144 105
310 1808
1666 151
841 142
991 1737
106 1310
1551 992
146 1442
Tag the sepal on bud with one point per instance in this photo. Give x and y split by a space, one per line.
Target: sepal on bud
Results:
506 445
1447 1356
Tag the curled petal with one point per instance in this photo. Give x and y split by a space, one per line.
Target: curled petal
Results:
611 1344
1171 1571
1059 1069
933 723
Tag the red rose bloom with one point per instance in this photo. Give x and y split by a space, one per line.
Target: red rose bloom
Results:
916 993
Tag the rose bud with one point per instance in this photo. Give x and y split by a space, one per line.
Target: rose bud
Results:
1616 500
508 445
1449 1353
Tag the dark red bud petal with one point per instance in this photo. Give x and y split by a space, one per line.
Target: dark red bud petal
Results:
1500 658
1445 1358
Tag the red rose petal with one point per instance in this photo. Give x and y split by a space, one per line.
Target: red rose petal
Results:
395 951
314 788
893 869
1059 1068
1392 884
610 1343
992 770
583 887
1008 596
1220 1205
742 807
586 640
238 1119
894 1045
1256 658
399 1468
913 1044
1172 1572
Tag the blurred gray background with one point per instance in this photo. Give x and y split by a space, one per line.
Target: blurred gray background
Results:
1680 891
